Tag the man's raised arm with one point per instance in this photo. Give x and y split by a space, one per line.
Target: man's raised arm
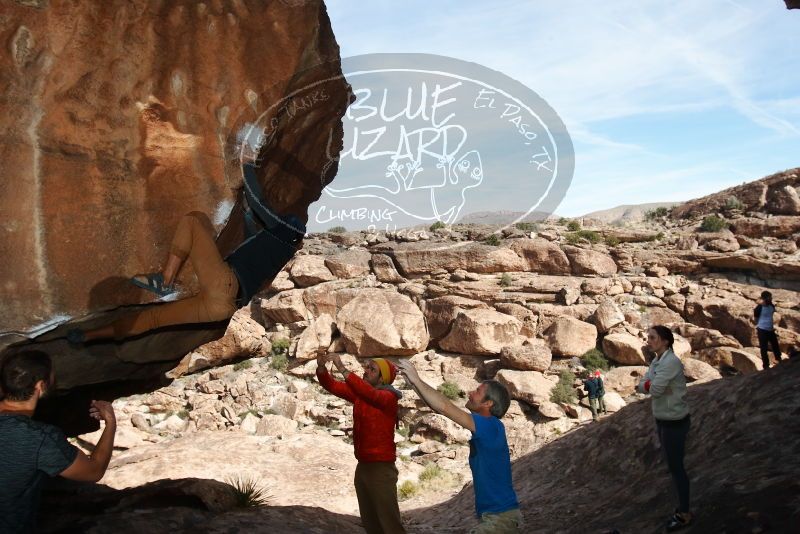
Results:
434 399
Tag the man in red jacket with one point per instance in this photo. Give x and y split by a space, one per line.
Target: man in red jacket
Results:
374 419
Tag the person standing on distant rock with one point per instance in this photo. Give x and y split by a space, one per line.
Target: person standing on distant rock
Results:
765 330
374 419
592 385
225 284
666 383
496 501
33 451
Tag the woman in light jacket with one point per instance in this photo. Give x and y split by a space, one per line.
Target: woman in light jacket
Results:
666 383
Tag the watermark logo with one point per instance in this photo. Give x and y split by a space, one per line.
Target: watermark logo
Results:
435 139
430 139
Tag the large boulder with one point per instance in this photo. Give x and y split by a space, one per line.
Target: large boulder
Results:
310 270
425 257
382 322
318 335
570 337
440 313
624 379
244 337
542 256
479 331
588 261
526 386
115 137
607 315
625 349
384 269
698 371
535 356
746 362
285 307
349 264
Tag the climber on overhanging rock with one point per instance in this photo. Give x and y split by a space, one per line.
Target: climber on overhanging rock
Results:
225 284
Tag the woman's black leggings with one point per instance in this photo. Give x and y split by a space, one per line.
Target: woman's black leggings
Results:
672 436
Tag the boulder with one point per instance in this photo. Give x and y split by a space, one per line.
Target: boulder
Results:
243 338
698 371
624 349
479 331
440 313
745 362
588 261
382 322
569 337
551 410
624 379
349 264
535 356
318 334
607 315
438 426
613 401
310 270
526 386
384 269
425 257
281 282
275 425
542 256
285 307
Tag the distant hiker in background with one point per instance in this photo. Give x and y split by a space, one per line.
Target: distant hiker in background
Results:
666 383
765 330
593 385
601 392
374 420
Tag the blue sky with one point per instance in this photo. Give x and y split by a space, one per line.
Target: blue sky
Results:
664 101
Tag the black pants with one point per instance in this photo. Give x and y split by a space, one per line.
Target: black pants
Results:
765 337
672 436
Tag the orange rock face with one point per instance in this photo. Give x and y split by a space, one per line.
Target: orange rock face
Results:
119 116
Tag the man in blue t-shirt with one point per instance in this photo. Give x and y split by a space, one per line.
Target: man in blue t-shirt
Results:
31 451
495 500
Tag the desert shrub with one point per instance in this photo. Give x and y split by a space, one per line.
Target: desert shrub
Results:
430 472
563 392
245 364
712 223
589 235
612 241
505 280
573 226
436 226
279 362
280 346
527 226
733 203
594 359
337 230
406 490
450 390
493 240
248 492
656 213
